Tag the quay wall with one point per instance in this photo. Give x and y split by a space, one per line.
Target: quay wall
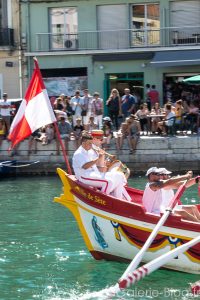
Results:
179 153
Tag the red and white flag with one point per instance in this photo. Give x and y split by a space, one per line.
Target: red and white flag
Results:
34 112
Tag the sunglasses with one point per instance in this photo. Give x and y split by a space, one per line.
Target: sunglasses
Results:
157 174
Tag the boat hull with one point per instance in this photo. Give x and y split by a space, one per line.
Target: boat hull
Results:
112 232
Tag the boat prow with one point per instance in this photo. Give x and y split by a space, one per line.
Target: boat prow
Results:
115 229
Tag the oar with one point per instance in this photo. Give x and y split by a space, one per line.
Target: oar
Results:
143 271
137 259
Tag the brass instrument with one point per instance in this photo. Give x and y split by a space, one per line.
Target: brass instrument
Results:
120 167
110 161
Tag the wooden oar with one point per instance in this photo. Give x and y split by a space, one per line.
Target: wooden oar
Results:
142 272
137 259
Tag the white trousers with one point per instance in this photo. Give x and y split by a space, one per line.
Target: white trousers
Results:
110 183
99 181
119 181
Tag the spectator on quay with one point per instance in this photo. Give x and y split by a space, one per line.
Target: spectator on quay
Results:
67 106
76 104
191 118
114 106
2 130
87 107
153 95
58 104
77 130
91 125
179 113
156 110
32 142
147 99
47 134
133 133
168 122
122 133
127 104
97 105
142 114
5 108
107 131
65 130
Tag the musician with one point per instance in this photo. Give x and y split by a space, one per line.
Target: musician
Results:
98 138
107 160
85 169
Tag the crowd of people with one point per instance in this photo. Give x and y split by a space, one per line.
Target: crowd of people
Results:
120 117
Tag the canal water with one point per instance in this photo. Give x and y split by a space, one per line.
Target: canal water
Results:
43 256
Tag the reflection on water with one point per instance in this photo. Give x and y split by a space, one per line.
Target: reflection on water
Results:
43 256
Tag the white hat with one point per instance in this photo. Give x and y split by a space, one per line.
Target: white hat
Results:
152 170
164 171
107 119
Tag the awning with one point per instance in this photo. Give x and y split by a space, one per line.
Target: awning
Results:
176 58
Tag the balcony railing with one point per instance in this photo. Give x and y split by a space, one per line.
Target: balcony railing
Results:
6 37
118 39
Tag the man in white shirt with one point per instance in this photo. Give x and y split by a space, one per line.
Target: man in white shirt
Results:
76 103
154 195
86 168
87 106
5 108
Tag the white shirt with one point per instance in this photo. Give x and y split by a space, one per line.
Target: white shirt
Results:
81 157
5 112
152 199
73 102
167 196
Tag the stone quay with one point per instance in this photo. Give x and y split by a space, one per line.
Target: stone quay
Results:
176 153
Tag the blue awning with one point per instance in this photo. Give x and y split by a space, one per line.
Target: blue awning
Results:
173 58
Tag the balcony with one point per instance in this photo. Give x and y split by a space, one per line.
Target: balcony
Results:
6 37
118 39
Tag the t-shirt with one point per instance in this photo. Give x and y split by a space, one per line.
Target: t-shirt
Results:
5 112
127 102
152 200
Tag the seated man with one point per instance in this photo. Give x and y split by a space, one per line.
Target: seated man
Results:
154 199
107 160
85 168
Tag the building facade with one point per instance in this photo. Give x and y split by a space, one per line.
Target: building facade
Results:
111 43
10 54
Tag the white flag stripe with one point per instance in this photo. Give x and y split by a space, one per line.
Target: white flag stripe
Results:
39 111
19 115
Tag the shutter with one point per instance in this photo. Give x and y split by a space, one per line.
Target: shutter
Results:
114 19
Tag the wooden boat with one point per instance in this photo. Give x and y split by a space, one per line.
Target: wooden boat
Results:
115 229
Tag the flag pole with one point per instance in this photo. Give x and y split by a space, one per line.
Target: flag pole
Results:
63 149
57 131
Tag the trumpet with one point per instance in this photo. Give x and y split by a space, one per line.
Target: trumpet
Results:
111 162
108 158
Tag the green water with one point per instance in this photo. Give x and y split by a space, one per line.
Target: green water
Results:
42 255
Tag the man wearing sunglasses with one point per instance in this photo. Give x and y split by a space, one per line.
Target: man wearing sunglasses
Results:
159 191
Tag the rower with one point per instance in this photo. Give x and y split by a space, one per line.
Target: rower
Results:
153 199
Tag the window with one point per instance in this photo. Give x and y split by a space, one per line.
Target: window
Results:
146 24
64 26
3 14
185 20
